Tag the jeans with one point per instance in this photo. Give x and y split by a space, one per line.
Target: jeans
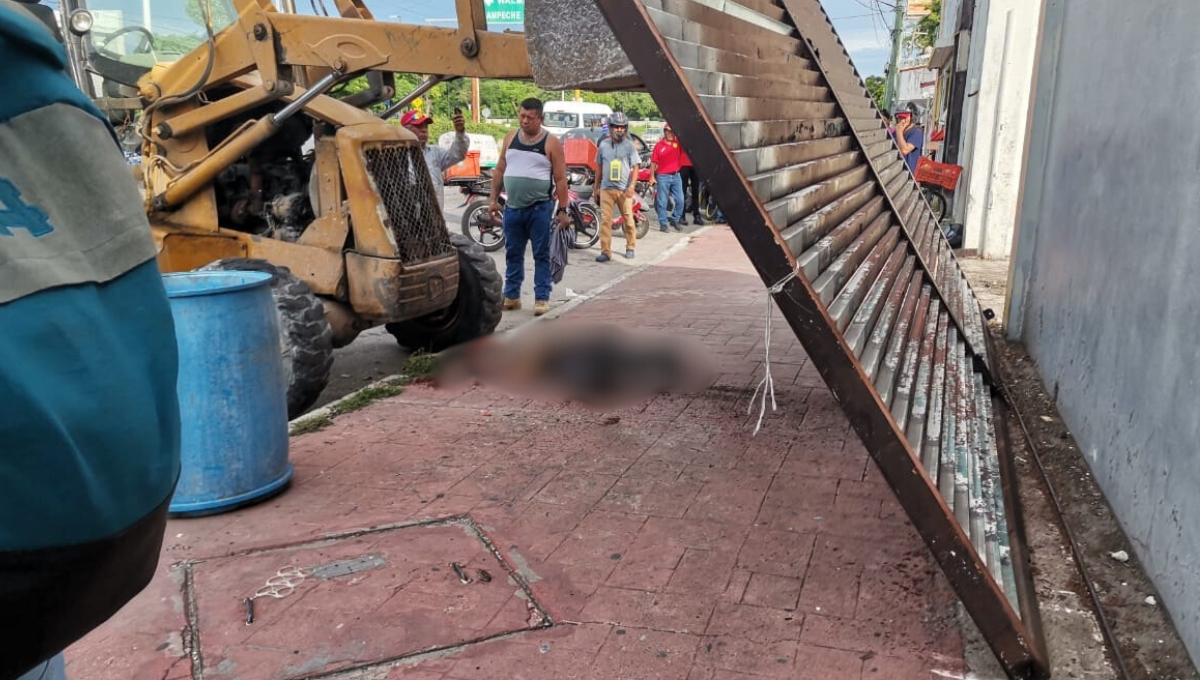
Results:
522 226
669 187
50 670
612 200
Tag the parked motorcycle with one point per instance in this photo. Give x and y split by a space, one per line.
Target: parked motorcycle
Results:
480 226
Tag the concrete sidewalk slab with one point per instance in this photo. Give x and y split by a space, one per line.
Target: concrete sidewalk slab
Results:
663 541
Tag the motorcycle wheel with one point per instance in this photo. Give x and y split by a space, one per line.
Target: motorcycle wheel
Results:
642 220
587 226
473 227
937 201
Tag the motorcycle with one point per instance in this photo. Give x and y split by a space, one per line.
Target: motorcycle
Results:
480 226
584 178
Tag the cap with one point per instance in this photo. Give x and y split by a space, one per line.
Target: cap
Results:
901 113
415 118
666 127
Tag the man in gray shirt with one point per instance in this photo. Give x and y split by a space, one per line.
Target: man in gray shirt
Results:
617 163
438 160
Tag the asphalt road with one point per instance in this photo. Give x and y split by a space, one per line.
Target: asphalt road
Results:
375 354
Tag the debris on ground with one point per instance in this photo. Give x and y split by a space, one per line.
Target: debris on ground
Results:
1120 556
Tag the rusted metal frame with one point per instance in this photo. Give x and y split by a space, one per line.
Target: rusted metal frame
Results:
821 255
788 179
755 161
736 85
869 311
806 232
735 63
793 10
844 266
1031 615
893 354
879 341
814 327
705 19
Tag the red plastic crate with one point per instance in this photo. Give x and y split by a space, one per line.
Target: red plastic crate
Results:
580 152
944 175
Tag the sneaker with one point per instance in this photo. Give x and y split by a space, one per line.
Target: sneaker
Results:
541 307
683 220
629 253
699 221
676 226
511 304
602 257
663 229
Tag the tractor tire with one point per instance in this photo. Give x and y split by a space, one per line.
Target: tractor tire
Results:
474 313
305 337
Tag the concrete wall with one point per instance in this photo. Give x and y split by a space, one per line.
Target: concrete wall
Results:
1104 285
998 95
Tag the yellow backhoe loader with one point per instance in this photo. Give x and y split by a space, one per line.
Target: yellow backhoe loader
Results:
249 161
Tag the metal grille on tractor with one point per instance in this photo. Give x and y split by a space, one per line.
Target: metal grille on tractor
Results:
780 125
402 182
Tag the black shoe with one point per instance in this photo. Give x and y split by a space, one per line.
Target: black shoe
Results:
683 221
699 221
663 229
676 226
629 253
602 258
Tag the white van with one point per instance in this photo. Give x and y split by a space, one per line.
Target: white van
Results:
562 116
489 151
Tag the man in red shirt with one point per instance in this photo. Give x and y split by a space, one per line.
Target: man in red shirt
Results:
665 162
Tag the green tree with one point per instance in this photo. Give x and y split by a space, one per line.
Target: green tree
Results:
927 28
875 87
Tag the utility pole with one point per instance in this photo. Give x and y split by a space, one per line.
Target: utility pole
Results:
889 93
475 100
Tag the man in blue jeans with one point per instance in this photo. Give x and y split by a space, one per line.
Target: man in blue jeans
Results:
533 170
89 418
665 163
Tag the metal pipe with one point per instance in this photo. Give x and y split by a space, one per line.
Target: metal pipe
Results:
321 87
236 146
425 86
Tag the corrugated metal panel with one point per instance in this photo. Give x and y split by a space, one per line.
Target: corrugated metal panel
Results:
783 130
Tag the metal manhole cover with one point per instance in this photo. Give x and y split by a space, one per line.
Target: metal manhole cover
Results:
366 599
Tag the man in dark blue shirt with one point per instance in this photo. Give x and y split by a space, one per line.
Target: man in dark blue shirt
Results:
909 138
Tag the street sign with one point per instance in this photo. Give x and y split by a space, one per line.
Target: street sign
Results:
504 11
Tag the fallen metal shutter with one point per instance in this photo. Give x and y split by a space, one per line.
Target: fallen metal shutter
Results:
782 129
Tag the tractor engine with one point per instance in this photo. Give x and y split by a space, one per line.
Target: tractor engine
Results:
266 193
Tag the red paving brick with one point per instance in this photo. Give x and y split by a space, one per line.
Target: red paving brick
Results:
670 544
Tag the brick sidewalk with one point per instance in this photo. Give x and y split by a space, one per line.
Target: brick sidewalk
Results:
668 544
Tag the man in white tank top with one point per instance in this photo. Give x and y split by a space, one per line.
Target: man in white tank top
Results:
533 170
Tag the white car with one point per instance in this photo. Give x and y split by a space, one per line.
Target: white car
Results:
489 151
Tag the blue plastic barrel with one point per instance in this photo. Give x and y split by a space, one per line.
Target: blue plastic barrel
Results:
232 395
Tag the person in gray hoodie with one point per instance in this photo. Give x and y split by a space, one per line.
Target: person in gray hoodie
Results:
438 159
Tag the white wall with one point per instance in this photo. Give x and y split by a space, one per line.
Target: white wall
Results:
1103 283
998 91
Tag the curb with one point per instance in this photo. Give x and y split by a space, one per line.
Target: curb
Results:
326 411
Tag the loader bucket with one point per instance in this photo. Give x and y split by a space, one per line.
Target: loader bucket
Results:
781 128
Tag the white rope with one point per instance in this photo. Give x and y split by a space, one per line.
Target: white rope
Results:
767 384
